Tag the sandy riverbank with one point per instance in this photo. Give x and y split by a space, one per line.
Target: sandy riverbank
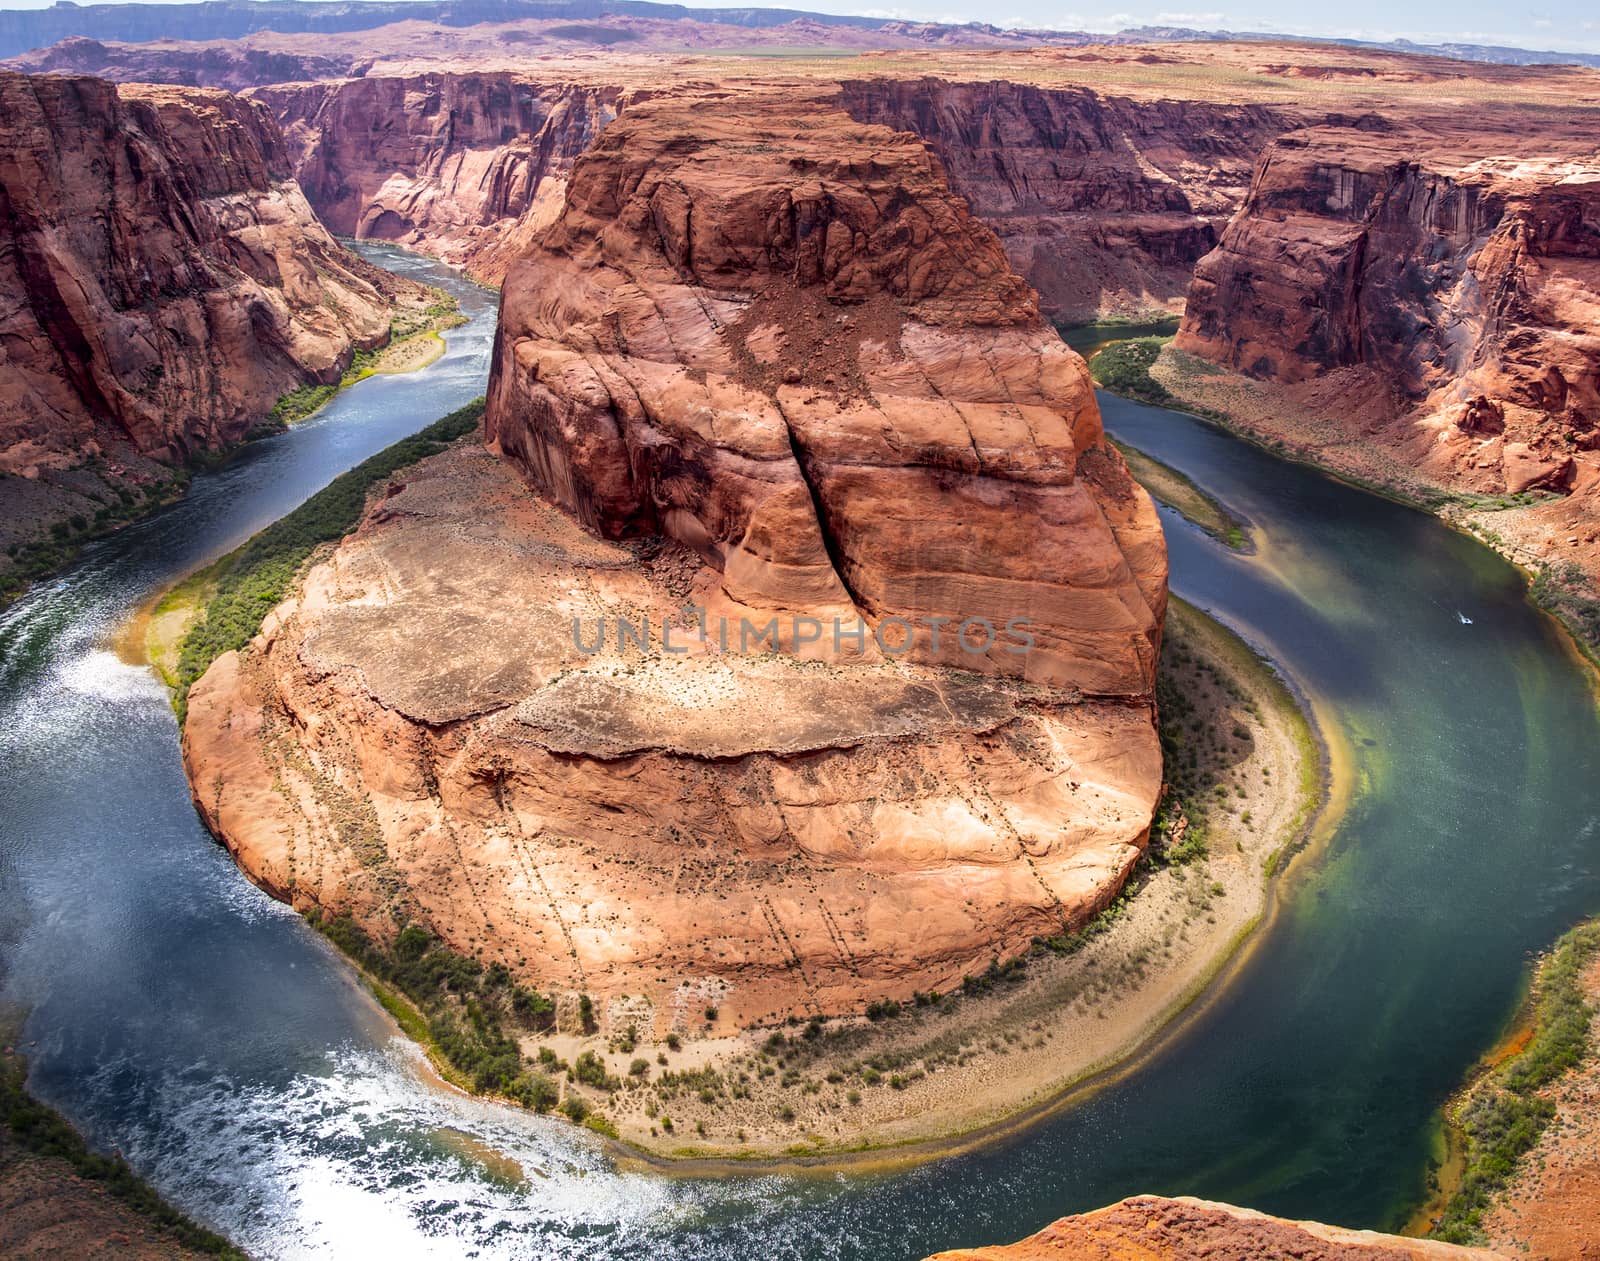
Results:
917 1081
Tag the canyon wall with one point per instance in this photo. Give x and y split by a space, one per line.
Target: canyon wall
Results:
764 366
465 166
1452 270
1103 203
1155 1228
164 282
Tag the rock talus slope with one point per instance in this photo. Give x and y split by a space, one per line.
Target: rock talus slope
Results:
763 365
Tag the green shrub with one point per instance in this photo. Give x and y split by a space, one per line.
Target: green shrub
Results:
1505 1114
590 1069
1124 368
42 1131
466 1007
253 579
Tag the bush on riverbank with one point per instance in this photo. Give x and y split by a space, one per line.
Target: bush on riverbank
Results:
252 579
43 1132
469 1012
297 404
1565 590
1503 1117
1124 368
103 510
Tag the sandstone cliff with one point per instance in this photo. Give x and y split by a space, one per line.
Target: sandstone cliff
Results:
774 335
1104 203
1153 1228
764 364
164 280
466 166
1456 270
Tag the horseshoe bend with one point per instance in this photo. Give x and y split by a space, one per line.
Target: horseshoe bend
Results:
763 369
853 697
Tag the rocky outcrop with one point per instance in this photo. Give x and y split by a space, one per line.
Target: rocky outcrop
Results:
1152 1228
1103 203
764 366
164 279
779 339
1455 269
466 166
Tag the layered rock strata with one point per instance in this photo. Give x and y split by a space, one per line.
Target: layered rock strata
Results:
164 279
1152 1228
763 367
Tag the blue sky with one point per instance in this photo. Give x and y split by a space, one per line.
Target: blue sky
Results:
1571 25
1567 24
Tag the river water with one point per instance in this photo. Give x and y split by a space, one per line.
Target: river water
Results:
179 1015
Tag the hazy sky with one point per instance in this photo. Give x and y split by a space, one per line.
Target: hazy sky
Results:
1572 25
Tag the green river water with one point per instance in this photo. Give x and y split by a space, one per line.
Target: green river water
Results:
179 1015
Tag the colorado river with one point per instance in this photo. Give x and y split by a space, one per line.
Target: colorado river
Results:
179 1015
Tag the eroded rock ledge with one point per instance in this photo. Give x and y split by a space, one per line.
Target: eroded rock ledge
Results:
764 364
1154 1228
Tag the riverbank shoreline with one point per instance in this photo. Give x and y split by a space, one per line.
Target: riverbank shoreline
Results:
1153 1015
1177 380
57 1192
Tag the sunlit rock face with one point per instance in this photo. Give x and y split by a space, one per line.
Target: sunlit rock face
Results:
164 279
773 334
764 366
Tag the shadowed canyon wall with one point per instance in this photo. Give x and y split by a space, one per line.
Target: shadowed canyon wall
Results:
465 166
1103 203
164 280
